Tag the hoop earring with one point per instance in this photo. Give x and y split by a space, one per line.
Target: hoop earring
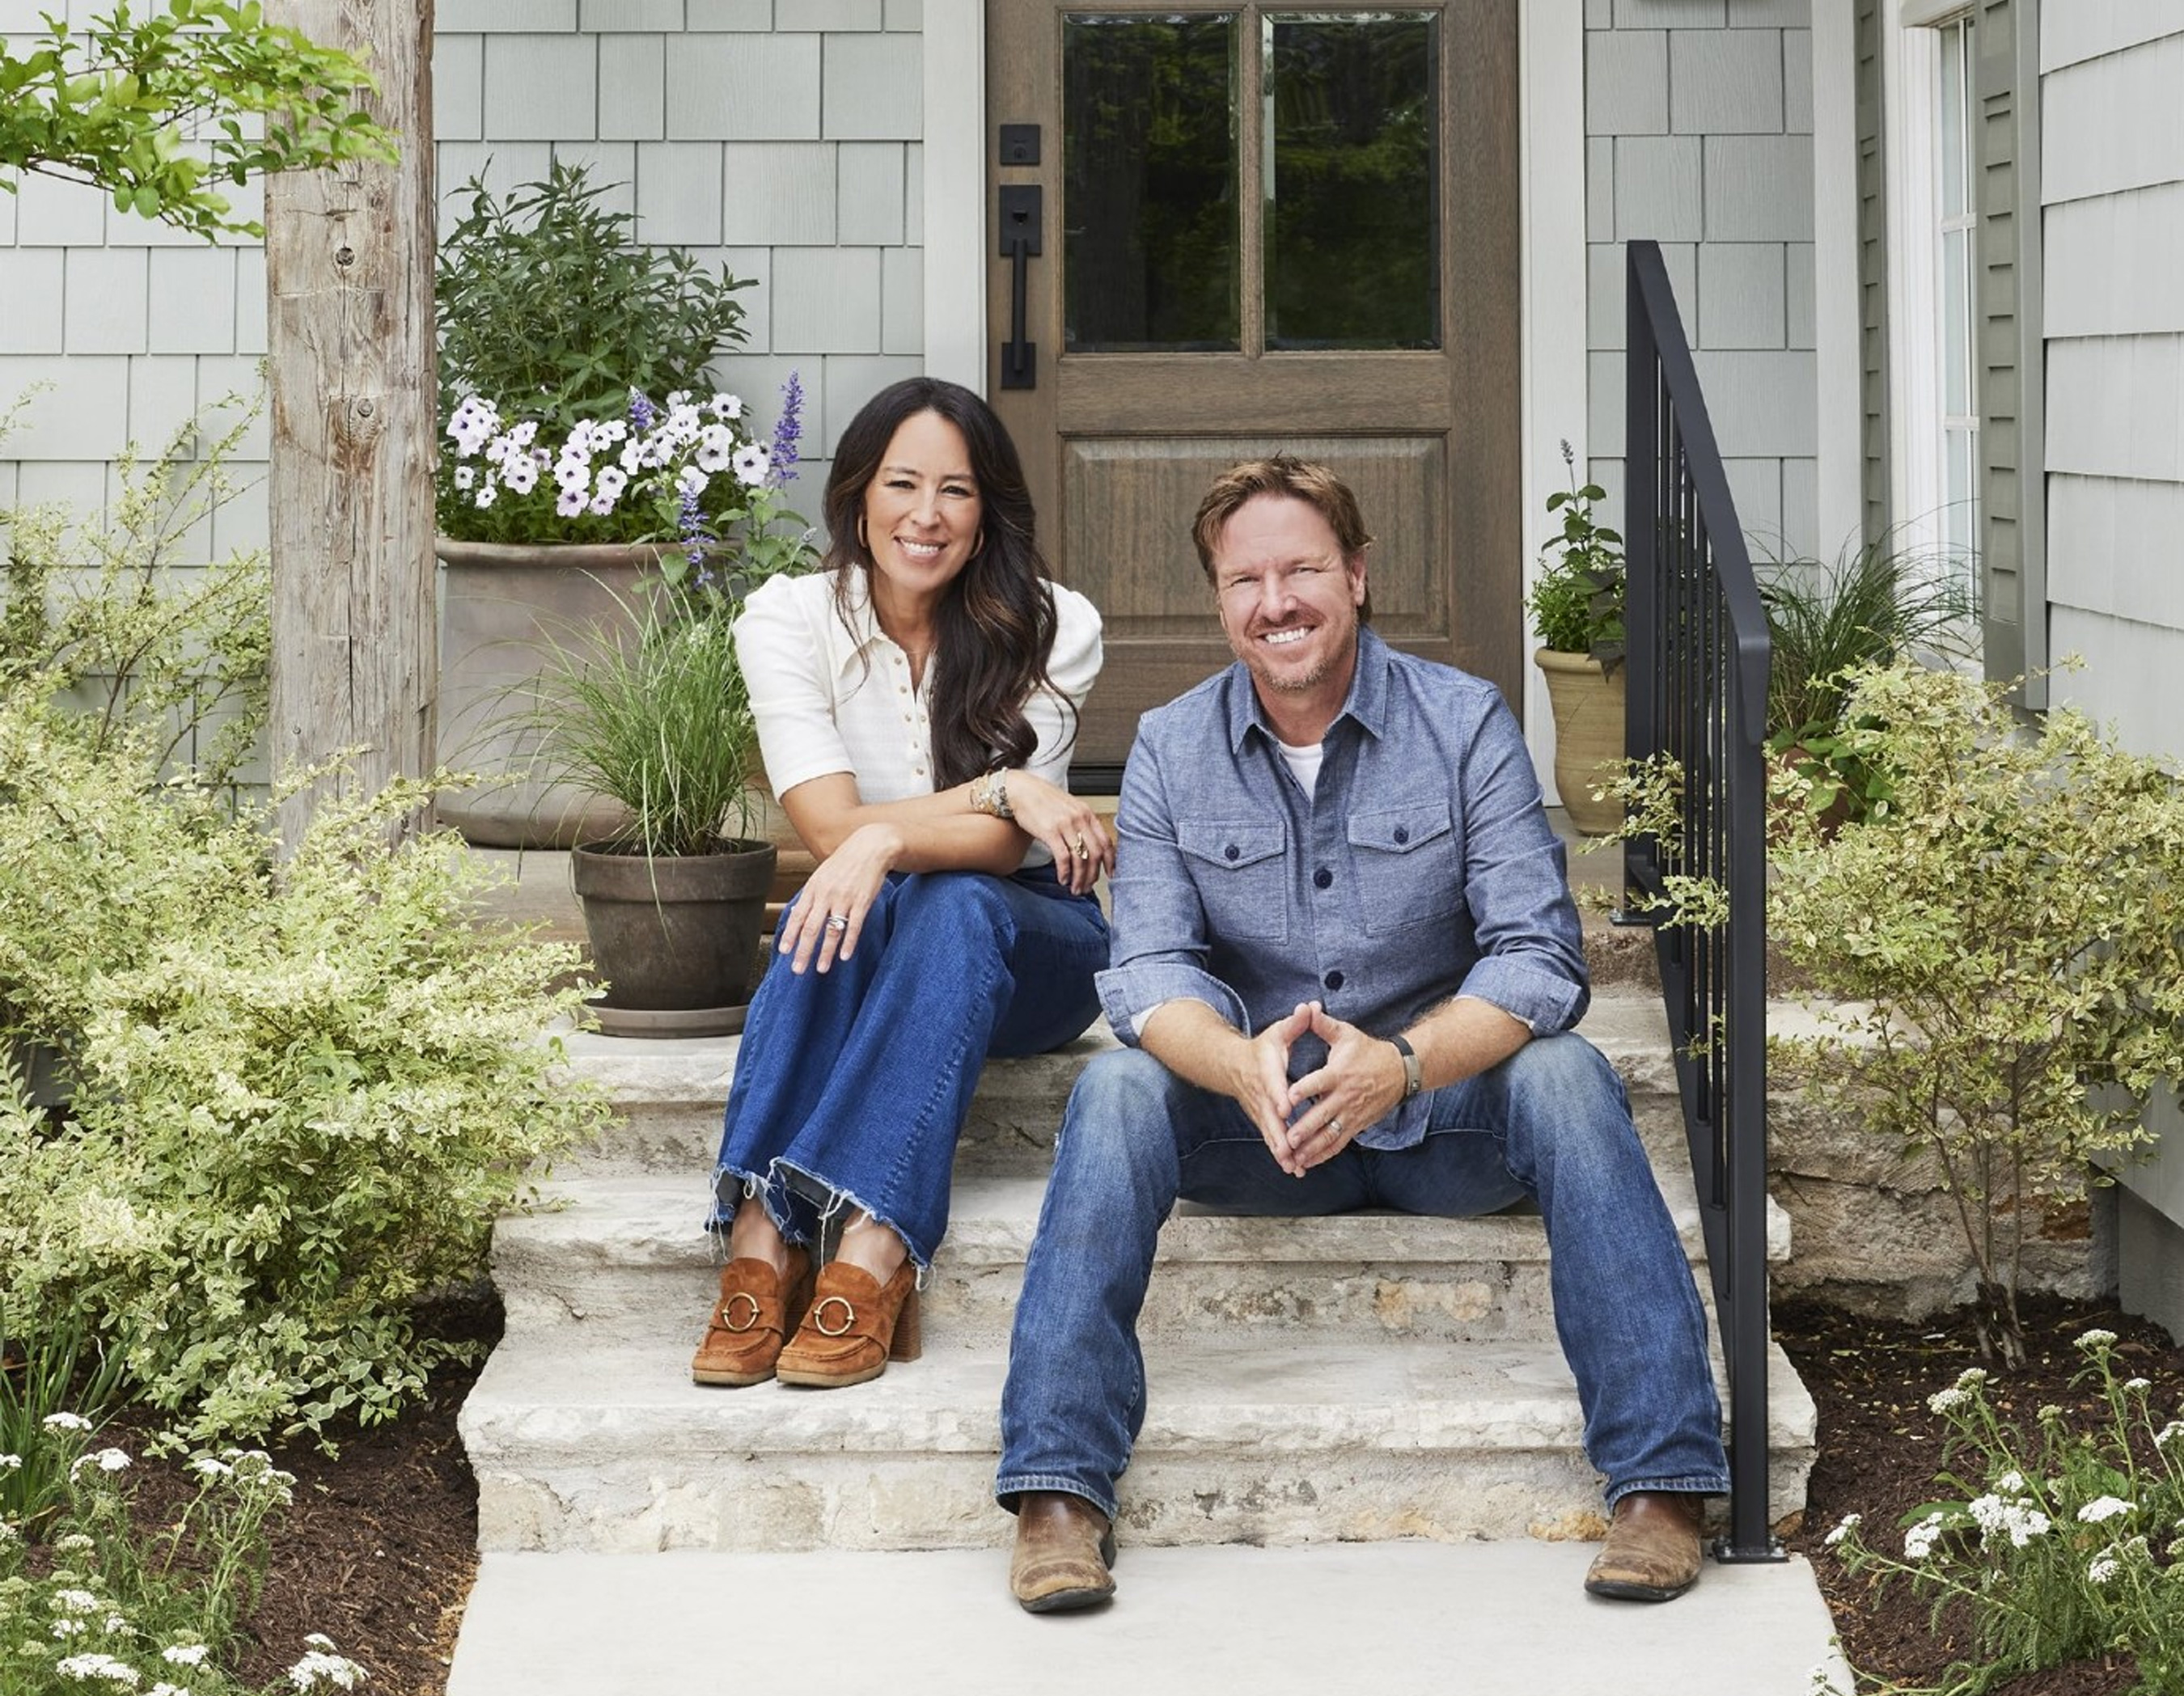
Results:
978 541
864 546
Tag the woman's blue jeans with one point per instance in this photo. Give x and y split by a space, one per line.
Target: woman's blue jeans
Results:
852 1084
1551 1122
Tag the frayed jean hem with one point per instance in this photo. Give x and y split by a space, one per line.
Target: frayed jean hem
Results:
1690 1484
1007 1490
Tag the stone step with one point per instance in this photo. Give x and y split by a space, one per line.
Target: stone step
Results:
625 1258
614 1450
669 1093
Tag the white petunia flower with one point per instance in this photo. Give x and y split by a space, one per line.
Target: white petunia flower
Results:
716 446
465 475
726 406
522 476
751 461
2102 1508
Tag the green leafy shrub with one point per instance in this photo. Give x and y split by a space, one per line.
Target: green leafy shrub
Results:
302 1095
1873 605
550 307
100 1600
2060 1545
95 609
1577 602
1997 954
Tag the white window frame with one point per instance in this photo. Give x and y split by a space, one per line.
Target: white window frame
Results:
1919 429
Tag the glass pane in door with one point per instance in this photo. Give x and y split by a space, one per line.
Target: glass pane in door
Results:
1353 197
1151 238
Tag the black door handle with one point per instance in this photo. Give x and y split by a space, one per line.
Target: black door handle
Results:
1021 217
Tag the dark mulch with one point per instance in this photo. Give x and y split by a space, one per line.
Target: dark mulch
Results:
1880 1448
381 1548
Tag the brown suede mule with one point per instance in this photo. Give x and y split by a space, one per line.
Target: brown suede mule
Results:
852 1328
1064 1548
1651 1553
756 1312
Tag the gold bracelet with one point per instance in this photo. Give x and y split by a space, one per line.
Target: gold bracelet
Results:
990 794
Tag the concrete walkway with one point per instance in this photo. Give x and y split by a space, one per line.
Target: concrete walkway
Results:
1484 1619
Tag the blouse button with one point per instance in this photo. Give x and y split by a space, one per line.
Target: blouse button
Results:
1229 852
1322 878
1333 980
1402 836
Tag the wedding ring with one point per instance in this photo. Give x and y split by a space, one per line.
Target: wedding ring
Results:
1335 1125
835 921
1077 844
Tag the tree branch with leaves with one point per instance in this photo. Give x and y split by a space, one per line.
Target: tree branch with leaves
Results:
163 110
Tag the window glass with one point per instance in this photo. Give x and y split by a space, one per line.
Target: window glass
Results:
1348 174
1150 232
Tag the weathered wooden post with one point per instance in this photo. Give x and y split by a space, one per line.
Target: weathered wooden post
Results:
349 333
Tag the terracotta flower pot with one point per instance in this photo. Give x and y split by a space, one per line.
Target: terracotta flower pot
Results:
1588 708
674 933
499 604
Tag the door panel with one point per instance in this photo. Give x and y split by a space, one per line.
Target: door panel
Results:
1266 228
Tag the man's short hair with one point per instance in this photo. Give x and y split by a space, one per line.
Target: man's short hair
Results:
1316 484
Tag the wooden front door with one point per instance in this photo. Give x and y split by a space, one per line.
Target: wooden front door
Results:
1217 233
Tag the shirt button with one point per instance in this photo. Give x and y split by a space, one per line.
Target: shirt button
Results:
1402 836
1230 852
1322 878
1333 980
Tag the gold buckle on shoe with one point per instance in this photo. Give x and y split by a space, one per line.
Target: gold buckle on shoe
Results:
727 1307
848 1315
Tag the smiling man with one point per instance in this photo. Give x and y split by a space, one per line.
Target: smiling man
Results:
1344 968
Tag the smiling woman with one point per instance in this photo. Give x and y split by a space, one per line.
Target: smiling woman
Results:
916 703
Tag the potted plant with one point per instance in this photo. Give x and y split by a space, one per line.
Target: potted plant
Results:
566 347
1577 604
1874 605
662 723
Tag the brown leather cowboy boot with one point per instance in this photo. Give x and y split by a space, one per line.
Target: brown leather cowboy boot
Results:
1064 1548
1651 1553
755 1313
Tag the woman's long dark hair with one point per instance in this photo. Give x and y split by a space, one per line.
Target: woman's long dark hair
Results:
994 625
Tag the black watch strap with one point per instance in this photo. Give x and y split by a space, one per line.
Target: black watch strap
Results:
1413 1073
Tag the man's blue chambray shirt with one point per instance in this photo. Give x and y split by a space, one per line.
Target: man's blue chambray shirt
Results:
1422 868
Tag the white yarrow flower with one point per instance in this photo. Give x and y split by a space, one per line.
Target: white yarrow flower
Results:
2097 1339
11 1463
66 1422
2105 1566
1849 1523
75 1601
320 1667
185 1654
2102 1508
1918 1542
86 1667
2012 1481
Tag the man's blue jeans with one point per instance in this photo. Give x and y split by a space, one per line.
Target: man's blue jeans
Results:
1551 1122
852 1084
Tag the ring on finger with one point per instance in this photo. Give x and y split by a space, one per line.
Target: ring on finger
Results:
1077 846
837 922
1335 1125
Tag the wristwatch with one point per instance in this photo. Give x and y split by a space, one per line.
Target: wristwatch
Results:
1413 1073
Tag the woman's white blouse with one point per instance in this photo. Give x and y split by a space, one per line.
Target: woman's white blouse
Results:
831 696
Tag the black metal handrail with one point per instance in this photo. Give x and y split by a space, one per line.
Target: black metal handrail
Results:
1698 693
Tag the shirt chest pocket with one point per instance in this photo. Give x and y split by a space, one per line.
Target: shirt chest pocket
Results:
1410 870
1241 869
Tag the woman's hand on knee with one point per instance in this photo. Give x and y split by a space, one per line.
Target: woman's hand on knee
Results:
824 925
